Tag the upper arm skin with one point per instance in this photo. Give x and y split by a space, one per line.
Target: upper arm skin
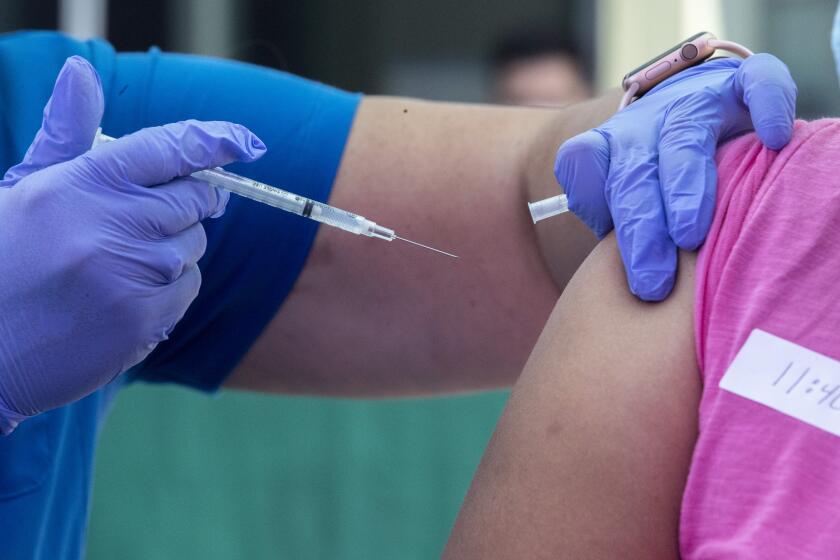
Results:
371 318
590 457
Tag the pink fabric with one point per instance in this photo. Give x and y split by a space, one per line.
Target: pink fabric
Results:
763 484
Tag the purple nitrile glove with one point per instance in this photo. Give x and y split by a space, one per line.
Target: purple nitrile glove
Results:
650 170
98 249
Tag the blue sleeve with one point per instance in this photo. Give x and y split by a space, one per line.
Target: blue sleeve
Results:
254 252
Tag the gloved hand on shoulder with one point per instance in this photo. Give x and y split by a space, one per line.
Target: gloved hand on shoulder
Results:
649 171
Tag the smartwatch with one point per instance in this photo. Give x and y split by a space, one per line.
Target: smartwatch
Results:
684 54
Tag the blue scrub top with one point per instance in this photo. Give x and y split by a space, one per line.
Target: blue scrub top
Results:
254 253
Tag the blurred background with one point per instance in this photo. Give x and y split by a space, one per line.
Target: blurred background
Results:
183 475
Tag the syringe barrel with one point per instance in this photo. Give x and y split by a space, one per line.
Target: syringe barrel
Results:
347 221
254 190
290 202
337 218
242 186
284 200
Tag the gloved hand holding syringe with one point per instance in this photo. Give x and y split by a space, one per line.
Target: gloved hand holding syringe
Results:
291 202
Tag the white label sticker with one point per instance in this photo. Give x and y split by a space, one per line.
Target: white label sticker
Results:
789 378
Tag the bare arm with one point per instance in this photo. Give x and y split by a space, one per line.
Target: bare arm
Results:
590 457
367 318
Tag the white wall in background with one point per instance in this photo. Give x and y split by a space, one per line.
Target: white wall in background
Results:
83 19
205 27
629 32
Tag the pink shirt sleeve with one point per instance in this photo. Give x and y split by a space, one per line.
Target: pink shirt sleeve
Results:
764 484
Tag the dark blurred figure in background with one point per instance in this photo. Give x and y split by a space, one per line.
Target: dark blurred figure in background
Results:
539 68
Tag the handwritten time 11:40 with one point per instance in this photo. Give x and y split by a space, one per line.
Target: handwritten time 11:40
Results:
790 378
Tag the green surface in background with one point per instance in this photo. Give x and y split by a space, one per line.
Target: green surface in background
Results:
181 476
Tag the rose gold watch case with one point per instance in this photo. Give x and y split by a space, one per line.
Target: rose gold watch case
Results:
688 53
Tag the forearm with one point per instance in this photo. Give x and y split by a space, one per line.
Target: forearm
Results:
381 319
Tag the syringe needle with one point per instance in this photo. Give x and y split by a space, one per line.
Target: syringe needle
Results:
426 247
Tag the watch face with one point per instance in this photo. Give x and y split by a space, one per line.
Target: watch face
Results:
668 51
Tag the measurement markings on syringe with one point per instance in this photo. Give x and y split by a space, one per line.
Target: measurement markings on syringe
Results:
268 189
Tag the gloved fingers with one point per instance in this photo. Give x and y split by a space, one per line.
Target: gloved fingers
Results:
175 298
581 168
177 253
766 87
648 252
687 170
70 120
158 262
178 205
157 155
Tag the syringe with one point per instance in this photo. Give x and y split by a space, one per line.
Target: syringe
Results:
291 202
